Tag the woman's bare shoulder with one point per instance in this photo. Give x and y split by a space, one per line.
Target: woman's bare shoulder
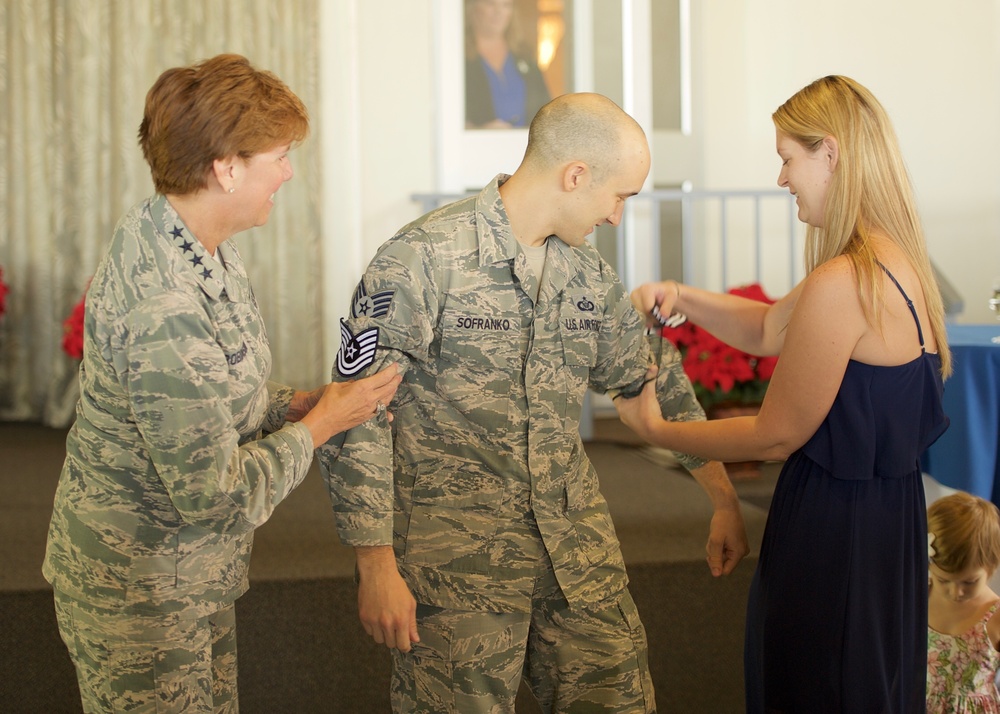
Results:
831 285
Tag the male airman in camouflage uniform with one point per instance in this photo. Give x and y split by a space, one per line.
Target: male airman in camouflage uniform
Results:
503 316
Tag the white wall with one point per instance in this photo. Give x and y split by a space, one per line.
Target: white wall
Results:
935 66
377 132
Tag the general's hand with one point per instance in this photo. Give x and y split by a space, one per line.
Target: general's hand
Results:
641 413
659 295
302 403
727 541
344 405
387 610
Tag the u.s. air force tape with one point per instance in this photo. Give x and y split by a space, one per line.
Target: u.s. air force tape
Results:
356 351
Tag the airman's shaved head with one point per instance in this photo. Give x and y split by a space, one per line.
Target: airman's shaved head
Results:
580 127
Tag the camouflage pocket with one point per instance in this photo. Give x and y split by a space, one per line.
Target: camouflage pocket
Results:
595 532
578 333
578 330
211 564
454 520
152 573
478 356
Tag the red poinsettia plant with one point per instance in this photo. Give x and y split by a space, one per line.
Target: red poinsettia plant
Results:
72 341
719 373
3 294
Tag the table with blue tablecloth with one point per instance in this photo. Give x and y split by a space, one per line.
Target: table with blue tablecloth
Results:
967 456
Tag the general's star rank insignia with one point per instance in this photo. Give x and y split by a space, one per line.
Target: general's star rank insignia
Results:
356 351
365 305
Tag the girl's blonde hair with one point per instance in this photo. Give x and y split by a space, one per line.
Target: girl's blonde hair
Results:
869 193
966 532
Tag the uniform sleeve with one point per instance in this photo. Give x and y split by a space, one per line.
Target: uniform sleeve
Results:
625 351
177 379
676 394
279 400
622 353
392 319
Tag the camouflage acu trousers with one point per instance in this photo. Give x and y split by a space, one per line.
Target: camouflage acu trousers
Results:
573 660
151 664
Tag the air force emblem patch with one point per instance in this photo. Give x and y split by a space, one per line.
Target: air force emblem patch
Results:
356 351
365 305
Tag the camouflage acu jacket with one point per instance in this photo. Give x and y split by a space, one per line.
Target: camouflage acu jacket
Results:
483 474
165 477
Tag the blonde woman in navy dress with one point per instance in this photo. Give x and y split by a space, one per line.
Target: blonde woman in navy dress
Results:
837 611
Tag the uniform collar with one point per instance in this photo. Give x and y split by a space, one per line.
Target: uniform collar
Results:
497 243
562 263
212 278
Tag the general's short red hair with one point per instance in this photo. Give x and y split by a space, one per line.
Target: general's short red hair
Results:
217 108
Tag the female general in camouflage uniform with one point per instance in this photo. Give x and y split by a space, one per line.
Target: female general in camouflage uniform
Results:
181 445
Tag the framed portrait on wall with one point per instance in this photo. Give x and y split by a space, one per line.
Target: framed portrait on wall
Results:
498 61
515 56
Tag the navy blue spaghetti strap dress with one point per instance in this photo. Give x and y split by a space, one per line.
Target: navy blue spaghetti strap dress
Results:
837 611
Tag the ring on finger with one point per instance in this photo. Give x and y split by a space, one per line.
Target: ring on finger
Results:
380 408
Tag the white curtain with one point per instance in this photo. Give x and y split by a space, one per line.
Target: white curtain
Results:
73 80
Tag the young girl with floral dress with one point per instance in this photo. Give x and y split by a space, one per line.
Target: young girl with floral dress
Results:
963 633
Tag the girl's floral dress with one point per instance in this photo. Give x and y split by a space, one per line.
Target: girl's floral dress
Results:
961 671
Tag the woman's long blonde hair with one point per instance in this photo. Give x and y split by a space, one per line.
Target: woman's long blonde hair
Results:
869 193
